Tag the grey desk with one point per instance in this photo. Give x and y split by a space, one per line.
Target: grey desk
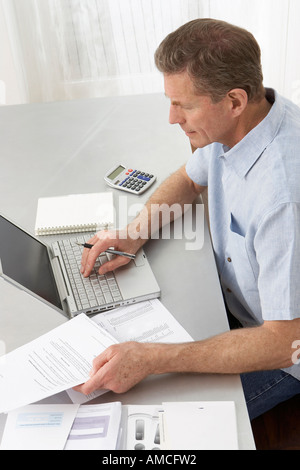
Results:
65 147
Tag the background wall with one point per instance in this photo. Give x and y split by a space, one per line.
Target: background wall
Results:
69 49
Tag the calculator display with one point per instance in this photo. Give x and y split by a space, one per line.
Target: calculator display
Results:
116 172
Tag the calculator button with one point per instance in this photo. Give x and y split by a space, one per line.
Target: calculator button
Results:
130 170
144 178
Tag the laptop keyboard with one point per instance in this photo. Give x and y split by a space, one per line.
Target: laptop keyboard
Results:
96 289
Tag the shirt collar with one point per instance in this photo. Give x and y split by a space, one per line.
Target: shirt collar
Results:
244 155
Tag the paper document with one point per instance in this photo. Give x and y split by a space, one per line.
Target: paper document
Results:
38 427
209 425
147 321
96 427
62 358
56 361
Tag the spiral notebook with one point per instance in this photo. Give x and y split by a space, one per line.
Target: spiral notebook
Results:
74 213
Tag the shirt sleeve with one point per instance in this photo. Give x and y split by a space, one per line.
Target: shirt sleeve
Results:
197 167
277 245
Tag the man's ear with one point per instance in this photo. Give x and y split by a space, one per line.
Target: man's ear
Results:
238 100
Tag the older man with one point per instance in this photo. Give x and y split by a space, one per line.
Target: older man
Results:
247 139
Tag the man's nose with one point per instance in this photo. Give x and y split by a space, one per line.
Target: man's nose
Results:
175 115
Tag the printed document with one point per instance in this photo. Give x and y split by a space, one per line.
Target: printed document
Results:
96 427
54 362
62 358
147 321
38 427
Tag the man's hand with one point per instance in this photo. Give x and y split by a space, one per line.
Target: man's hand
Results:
178 188
119 240
119 368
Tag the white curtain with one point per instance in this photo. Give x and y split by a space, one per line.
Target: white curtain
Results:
82 48
65 49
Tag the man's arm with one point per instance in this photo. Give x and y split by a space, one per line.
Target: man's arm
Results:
176 189
265 347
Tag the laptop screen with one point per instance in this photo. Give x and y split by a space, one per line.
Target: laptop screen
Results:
25 260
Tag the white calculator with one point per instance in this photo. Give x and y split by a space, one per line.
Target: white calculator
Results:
128 179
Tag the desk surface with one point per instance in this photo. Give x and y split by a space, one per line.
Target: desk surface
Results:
64 148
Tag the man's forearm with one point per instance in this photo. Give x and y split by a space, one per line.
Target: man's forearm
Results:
265 347
176 191
233 352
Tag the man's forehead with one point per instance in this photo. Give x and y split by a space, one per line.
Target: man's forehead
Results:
179 88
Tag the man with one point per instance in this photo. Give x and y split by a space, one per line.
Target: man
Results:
248 140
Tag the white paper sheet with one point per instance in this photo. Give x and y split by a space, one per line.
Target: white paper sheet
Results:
56 361
96 427
147 321
38 427
209 425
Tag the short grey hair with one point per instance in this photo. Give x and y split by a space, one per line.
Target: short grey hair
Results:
217 56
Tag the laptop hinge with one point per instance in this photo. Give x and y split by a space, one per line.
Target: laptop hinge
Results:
61 283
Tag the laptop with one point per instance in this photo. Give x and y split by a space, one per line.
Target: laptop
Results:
52 273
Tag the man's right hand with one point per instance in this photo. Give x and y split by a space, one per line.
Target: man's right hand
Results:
101 241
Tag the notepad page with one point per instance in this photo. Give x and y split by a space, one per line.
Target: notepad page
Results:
74 213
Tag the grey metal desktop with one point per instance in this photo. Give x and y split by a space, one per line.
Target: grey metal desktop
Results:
65 148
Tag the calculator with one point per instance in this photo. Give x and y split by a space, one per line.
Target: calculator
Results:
128 179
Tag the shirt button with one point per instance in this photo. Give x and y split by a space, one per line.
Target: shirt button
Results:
229 290
229 260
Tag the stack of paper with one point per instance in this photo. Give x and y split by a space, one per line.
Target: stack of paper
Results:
63 427
111 426
62 359
52 363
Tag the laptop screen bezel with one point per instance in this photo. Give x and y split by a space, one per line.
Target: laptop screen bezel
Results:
59 304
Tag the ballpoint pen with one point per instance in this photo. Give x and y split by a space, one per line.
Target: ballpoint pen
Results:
109 250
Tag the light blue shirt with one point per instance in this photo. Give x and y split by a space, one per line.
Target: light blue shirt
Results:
254 208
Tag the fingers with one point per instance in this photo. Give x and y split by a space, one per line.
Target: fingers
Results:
114 263
101 242
95 381
88 256
118 368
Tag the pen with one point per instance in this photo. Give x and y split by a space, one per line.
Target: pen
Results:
109 250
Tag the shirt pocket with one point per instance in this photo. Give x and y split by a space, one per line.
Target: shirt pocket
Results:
238 259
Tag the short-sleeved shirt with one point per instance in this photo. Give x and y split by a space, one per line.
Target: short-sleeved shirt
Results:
254 210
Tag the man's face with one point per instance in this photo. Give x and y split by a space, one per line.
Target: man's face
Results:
201 120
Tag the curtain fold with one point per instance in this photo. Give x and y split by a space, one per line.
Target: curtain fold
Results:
84 48
66 49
